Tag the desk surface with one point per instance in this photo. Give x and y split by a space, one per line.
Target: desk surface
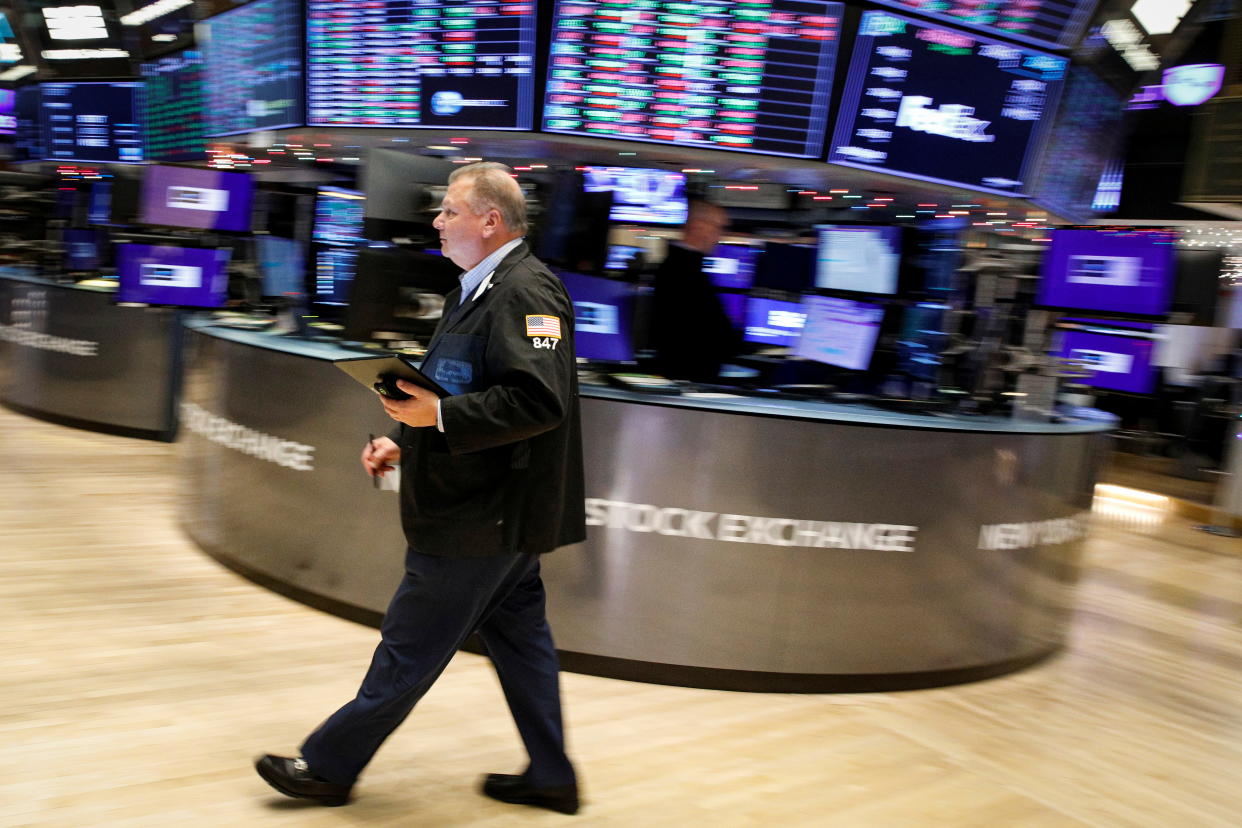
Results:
1083 420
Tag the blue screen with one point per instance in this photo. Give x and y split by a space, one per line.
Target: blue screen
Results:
282 265
732 265
165 275
603 311
339 216
334 274
773 322
98 122
1121 272
941 105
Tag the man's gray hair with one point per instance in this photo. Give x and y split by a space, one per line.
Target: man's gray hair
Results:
494 189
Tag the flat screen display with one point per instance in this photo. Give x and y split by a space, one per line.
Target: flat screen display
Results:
1054 23
252 58
282 266
1085 138
339 216
173 107
922 340
203 199
82 249
165 275
408 63
786 266
8 112
334 274
647 196
732 265
603 314
620 256
945 106
858 258
839 332
773 322
1116 272
28 116
1116 363
97 122
732 75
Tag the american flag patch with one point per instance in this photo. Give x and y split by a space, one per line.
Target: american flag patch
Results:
543 326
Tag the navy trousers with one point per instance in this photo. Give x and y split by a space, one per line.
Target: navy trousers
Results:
440 602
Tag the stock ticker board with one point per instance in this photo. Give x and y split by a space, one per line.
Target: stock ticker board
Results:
1043 22
746 75
421 63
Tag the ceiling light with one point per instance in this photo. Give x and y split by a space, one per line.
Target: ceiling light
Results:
75 23
1159 17
83 54
150 12
17 72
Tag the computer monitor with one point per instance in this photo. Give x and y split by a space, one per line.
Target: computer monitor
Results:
1116 362
92 121
786 266
166 275
641 195
282 266
839 332
8 112
922 339
603 312
858 258
83 249
334 274
773 322
197 198
397 291
732 265
1125 272
339 216
620 256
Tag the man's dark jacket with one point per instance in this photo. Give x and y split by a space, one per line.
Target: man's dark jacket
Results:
506 474
690 332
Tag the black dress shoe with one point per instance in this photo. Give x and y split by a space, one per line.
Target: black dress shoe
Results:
293 777
513 789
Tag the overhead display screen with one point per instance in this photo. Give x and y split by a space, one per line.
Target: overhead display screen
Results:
173 107
945 106
1086 136
748 75
413 63
96 122
1044 22
253 61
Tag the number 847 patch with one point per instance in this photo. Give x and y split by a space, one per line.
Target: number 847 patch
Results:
544 330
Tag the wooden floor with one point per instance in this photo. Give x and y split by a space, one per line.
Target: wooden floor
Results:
139 679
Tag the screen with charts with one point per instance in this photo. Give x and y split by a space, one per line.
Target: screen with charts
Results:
1056 23
334 274
410 63
166 275
603 315
92 121
252 57
201 199
1115 362
339 216
82 249
732 265
734 75
945 106
648 196
862 258
1111 271
839 332
173 107
773 322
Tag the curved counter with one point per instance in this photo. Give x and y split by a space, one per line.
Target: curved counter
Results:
735 543
69 355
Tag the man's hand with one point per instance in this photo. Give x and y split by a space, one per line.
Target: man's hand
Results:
379 455
418 411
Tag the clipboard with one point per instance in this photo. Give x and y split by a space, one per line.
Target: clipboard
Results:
372 371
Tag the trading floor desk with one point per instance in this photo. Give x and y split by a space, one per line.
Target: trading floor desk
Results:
69 354
733 543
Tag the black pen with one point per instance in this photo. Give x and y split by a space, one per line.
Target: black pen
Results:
375 481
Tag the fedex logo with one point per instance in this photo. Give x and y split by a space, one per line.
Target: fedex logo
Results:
950 120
